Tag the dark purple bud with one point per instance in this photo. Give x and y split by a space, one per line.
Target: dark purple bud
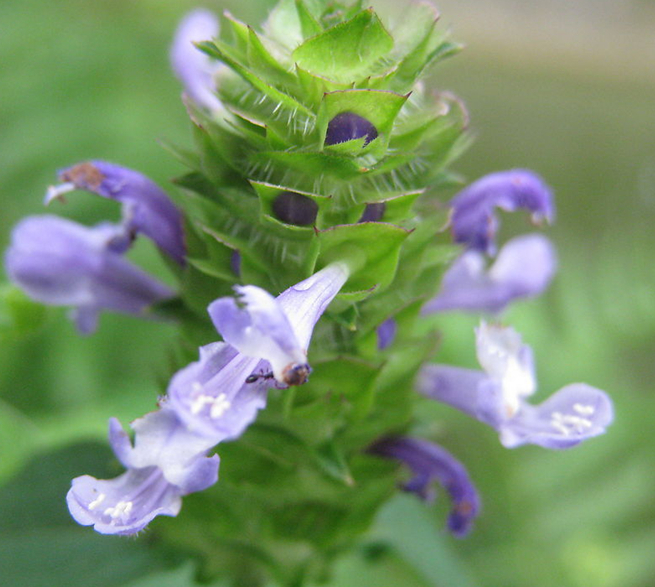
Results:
235 263
294 208
373 212
348 126
430 462
386 333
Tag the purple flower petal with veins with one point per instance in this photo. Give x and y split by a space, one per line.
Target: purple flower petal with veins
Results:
166 462
194 68
497 396
473 220
211 396
523 269
430 462
59 262
146 208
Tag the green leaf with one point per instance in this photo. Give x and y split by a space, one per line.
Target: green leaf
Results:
19 315
380 108
37 533
405 523
348 50
371 248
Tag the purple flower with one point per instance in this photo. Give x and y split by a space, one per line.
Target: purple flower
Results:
194 69
428 463
211 395
59 262
165 463
523 269
473 220
497 395
278 330
215 395
146 208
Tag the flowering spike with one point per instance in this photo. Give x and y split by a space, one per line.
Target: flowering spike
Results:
473 220
146 208
497 395
523 269
430 462
59 262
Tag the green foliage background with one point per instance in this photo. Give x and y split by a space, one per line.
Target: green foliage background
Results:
81 80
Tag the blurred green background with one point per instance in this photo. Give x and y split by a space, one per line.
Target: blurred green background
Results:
567 89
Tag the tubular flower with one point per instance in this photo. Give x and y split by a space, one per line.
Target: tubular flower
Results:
193 68
497 395
278 330
146 208
165 463
473 220
59 262
428 463
523 268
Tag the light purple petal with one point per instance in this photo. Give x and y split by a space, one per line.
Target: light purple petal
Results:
258 327
146 207
166 462
161 440
59 262
211 397
305 302
474 222
194 68
573 414
467 390
430 462
523 269
124 505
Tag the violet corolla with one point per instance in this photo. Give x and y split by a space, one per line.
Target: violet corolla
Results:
523 268
194 68
474 222
60 262
165 463
146 208
278 330
497 395
428 463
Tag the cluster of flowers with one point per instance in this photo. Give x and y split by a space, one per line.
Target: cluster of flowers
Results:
214 399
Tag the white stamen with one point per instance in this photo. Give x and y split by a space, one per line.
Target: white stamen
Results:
55 192
569 424
218 405
584 410
121 510
97 501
